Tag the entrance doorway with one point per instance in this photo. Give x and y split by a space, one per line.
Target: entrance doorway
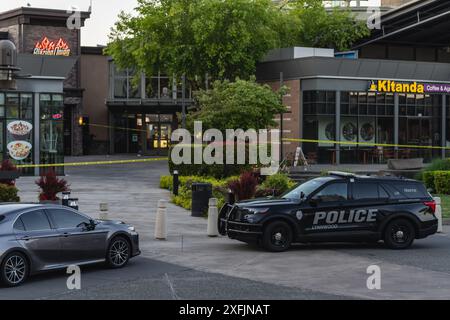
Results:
147 134
158 133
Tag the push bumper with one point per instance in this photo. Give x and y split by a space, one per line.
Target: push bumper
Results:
246 232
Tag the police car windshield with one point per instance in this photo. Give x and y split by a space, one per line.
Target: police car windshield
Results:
307 188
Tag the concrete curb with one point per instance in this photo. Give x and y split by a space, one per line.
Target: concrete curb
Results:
446 221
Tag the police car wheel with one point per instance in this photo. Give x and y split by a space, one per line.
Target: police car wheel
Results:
277 236
399 234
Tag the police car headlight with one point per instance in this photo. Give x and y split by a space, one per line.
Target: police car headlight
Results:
131 228
257 210
249 218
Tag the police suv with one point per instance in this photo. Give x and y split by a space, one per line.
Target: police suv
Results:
340 207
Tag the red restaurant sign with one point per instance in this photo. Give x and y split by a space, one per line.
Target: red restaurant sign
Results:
50 48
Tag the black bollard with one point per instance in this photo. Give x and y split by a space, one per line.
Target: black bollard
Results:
176 182
230 197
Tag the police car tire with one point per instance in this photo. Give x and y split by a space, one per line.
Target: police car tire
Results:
273 229
403 225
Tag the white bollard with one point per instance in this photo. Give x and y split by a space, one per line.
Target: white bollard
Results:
438 213
160 223
103 211
213 215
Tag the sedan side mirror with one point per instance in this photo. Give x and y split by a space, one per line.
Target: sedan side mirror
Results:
92 224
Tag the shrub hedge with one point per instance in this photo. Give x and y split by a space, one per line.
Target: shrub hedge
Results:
279 182
184 197
8 193
438 181
442 182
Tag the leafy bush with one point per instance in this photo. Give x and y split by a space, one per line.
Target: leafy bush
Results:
278 183
50 186
7 165
438 165
166 182
428 179
442 182
8 193
184 198
219 188
244 188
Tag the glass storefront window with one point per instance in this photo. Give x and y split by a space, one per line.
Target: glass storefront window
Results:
368 118
16 128
126 85
51 130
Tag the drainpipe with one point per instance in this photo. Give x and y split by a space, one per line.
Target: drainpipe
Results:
396 123
444 126
338 127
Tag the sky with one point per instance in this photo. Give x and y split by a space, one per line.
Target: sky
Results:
96 30
104 14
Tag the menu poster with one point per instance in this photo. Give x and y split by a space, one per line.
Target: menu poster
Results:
19 139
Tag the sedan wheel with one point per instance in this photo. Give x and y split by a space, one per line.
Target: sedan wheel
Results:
14 270
118 253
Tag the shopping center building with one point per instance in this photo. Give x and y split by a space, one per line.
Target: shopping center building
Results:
392 91
395 94
40 93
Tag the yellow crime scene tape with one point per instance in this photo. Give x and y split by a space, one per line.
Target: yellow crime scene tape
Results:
112 162
90 163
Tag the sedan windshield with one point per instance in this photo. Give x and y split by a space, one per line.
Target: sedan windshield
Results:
307 188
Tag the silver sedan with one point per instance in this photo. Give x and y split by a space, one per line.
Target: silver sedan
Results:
36 238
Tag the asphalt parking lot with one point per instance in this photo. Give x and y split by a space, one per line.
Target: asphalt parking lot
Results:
226 269
150 279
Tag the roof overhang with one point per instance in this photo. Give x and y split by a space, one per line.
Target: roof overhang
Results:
420 23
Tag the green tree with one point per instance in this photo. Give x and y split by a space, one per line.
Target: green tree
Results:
224 39
237 105
317 27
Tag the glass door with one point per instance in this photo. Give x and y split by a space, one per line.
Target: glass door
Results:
166 132
158 134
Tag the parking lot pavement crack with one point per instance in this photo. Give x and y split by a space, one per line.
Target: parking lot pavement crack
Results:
171 287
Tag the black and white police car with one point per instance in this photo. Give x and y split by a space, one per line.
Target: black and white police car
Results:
340 207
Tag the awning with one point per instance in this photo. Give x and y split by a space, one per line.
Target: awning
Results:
45 66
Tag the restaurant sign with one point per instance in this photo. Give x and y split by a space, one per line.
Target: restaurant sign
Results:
52 48
391 86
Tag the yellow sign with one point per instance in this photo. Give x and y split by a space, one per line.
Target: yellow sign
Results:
396 87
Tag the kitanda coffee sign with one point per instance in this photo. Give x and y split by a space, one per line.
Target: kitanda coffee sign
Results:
410 87
45 47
